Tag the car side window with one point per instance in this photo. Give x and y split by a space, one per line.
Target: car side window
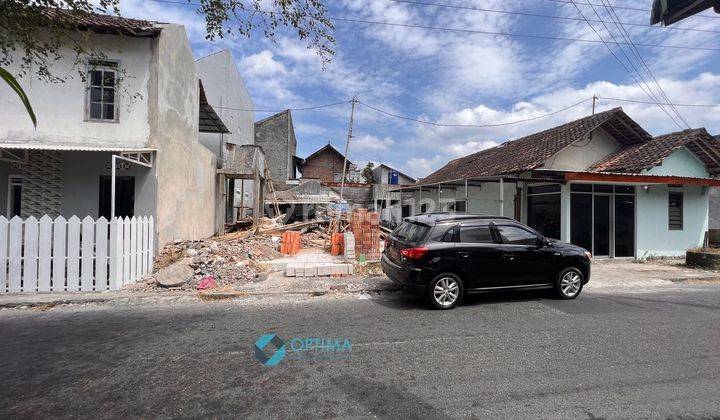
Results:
476 235
514 235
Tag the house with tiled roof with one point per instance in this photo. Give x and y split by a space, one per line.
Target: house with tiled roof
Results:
601 182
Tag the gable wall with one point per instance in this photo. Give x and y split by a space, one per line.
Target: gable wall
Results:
681 162
583 153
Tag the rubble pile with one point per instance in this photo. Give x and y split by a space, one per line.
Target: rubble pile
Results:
227 262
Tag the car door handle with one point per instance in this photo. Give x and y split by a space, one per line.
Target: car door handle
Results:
464 254
509 257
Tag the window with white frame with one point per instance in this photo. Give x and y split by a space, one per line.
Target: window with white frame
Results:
102 87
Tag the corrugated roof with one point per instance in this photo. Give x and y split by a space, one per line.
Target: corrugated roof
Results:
532 151
101 23
637 157
72 147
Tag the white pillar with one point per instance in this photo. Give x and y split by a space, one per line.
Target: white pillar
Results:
502 197
565 212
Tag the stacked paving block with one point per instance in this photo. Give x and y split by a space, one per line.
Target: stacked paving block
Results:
365 226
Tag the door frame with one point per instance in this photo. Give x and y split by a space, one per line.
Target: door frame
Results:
11 178
611 229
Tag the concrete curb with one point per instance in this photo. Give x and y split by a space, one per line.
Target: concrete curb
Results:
44 301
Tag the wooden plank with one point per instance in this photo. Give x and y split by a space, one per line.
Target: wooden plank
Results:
59 254
126 252
115 254
3 254
73 254
101 254
30 255
87 257
144 246
15 255
44 253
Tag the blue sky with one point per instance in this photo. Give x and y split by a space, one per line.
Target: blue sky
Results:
461 78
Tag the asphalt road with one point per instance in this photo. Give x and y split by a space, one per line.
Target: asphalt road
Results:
504 355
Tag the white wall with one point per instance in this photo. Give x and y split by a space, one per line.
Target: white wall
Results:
681 162
60 107
225 89
652 232
583 153
481 200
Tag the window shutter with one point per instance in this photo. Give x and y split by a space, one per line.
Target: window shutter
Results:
675 211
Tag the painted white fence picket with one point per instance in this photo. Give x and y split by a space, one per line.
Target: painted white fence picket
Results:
30 255
73 254
3 254
58 259
89 255
101 254
15 255
126 252
44 253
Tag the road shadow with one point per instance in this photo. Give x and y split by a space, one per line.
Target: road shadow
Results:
409 302
387 400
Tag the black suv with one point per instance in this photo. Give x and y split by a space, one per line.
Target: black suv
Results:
444 256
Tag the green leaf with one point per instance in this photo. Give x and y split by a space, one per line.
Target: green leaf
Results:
14 85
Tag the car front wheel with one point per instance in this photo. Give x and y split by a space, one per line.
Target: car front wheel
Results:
445 291
569 283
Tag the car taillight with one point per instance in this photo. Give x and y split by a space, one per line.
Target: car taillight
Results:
414 253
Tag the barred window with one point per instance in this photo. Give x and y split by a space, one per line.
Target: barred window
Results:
675 210
102 80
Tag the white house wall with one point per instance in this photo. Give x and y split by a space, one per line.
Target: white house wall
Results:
225 89
186 171
481 200
583 153
61 109
652 232
681 162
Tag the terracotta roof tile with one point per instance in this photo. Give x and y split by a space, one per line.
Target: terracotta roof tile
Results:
105 23
637 157
531 151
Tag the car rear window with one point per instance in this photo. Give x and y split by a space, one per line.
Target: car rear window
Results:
413 232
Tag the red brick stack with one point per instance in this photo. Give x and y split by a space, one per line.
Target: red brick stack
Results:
366 228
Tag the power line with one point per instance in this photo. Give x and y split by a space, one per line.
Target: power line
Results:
636 9
616 19
307 108
472 125
473 31
508 34
540 15
654 103
648 92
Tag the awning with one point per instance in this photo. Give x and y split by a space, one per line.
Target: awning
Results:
671 11
73 148
639 178
210 122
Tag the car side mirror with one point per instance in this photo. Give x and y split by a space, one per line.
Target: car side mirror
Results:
544 242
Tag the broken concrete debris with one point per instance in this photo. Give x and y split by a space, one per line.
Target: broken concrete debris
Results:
176 274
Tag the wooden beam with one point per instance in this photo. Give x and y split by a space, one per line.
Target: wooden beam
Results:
640 179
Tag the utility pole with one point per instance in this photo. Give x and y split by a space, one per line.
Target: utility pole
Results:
347 146
595 98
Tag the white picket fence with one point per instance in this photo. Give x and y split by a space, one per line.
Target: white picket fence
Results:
73 255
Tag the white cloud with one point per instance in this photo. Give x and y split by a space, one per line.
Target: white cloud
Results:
262 64
369 142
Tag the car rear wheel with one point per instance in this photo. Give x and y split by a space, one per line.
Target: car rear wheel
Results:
569 283
445 291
